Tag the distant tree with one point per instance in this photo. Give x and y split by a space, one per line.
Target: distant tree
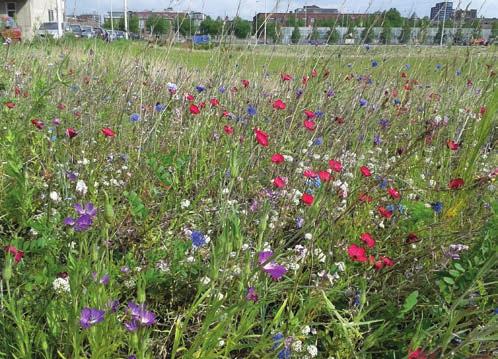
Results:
393 18
292 21
132 24
477 32
241 28
157 25
494 29
351 32
211 27
439 35
406 33
367 35
108 25
296 35
458 38
333 36
315 35
385 35
184 25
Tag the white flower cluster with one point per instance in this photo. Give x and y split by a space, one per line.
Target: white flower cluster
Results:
61 285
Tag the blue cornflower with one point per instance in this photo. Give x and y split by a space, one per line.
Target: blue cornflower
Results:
437 207
382 182
375 63
318 113
391 208
330 93
377 140
134 117
397 101
318 141
277 339
363 102
200 88
458 72
198 239
438 66
408 66
159 107
356 299
299 222
299 93
384 123
350 65
251 110
285 353
222 89
401 208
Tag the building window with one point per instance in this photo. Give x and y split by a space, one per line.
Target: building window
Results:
50 15
11 9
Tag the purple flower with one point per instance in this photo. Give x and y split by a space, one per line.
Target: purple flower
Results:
377 140
134 117
330 93
299 222
131 326
90 316
251 110
113 305
200 88
105 279
125 269
222 89
141 316
375 63
71 176
299 93
252 296
274 270
82 223
363 102
89 209
85 219
133 356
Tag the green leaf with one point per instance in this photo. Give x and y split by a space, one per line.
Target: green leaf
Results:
449 280
459 267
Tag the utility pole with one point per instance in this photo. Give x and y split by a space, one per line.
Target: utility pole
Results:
126 18
112 21
60 18
266 20
444 19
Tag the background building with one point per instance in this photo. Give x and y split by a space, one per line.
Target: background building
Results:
442 11
470 14
29 14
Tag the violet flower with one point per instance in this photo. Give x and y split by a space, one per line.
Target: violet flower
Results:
91 316
274 270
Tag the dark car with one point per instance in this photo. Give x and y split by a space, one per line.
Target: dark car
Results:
99 32
76 30
9 29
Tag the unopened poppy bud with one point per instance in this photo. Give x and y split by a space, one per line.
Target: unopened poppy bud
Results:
7 270
108 210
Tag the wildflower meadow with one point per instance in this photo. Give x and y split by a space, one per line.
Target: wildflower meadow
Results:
248 201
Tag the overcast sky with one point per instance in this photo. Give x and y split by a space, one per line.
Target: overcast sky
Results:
247 8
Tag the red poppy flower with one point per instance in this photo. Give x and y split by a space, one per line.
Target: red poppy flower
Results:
261 137
356 253
452 145
482 110
190 97
384 212
194 110
107 132
368 239
309 114
61 106
305 80
228 129
10 105
456 183
214 102
365 171
307 199
18 254
378 265
277 158
286 77
309 174
279 105
310 125
245 83
314 73
393 193
279 182
336 166
71 132
417 354
324 176
17 91
412 238
38 124
387 261
226 113
365 198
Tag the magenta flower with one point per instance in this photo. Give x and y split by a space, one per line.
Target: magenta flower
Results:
252 296
274 270
91 316
141 316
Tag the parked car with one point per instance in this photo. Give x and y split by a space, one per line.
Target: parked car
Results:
49 29
112 34
75 30
99 32
87 32
9 29
120 35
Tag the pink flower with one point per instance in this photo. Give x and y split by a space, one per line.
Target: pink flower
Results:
356 253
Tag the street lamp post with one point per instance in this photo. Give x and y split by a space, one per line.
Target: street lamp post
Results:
126 18
444 19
